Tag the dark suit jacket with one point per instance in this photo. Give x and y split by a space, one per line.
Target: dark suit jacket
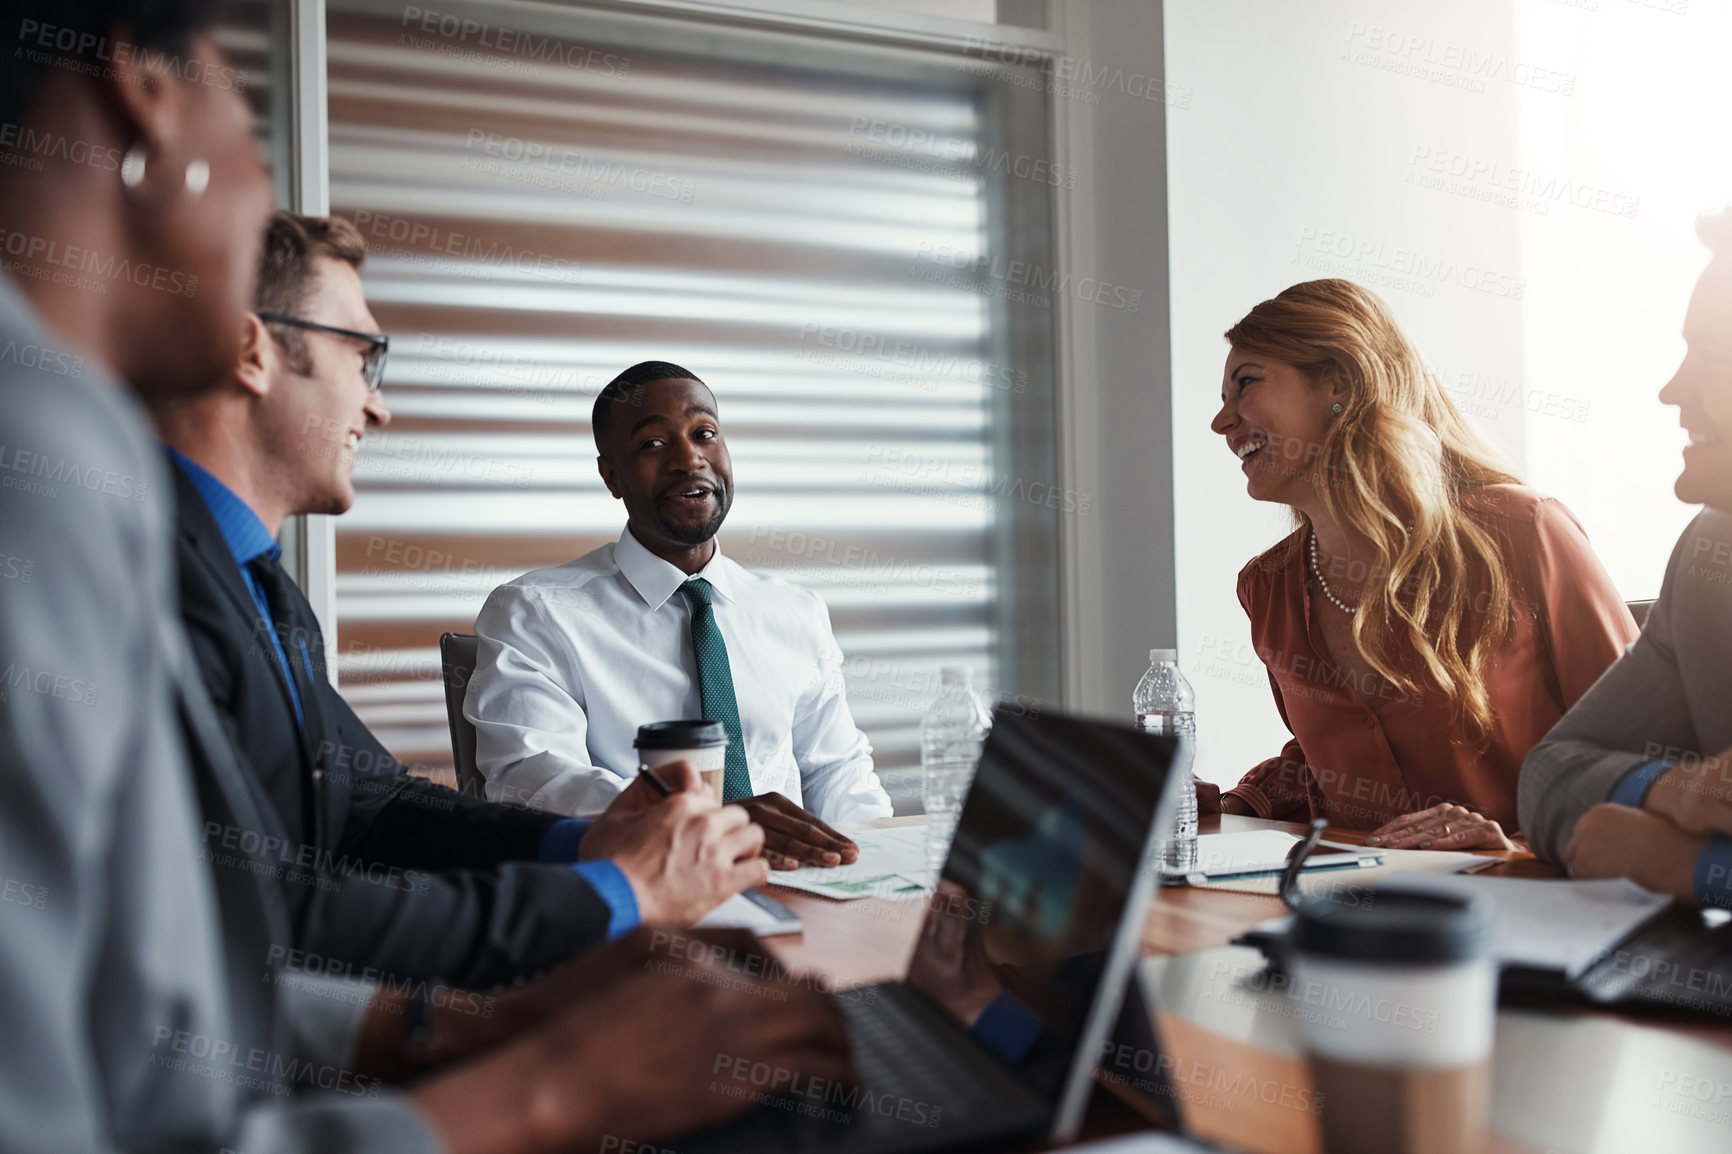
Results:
385 871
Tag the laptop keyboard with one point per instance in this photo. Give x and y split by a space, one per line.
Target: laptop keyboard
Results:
894 1055
1677 964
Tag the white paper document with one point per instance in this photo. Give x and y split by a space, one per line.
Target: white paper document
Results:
892 864
1263 851
741 912
1551 925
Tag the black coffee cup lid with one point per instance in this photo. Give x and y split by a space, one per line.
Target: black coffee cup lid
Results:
1393 925
680 735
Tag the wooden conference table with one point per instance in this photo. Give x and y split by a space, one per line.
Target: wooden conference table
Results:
1566 1080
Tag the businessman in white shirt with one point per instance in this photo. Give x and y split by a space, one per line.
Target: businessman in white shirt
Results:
660 626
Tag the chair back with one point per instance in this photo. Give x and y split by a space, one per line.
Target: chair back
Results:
457 655
1639 610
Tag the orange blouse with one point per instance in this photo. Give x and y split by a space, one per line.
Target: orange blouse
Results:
1362 765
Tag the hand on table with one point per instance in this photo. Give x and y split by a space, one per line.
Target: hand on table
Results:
1442 827
1696 799
1616 841
793 837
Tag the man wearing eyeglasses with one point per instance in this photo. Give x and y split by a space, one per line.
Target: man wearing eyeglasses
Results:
387 874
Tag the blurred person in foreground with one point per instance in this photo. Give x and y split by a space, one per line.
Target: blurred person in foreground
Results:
473 892
142 1010
662 625
1430 618
1636 780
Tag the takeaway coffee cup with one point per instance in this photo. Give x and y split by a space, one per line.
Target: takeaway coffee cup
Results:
703 743
1401 1002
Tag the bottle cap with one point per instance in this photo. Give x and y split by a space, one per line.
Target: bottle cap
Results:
954 675
1158 655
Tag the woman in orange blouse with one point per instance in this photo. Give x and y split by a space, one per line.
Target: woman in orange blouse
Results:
1430 618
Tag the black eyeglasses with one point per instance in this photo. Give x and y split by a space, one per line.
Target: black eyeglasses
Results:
372 361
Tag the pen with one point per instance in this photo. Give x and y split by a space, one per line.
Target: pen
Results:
656 783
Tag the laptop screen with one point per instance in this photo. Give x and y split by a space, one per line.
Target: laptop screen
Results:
1049 850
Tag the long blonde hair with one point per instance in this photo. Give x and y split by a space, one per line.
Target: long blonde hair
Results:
1394 467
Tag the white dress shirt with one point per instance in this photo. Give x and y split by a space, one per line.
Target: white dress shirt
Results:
572 660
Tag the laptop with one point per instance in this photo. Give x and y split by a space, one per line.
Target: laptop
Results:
1024 954
1678 963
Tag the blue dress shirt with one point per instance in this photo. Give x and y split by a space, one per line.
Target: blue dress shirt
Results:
1008 1028
1712 878
248 540
560 844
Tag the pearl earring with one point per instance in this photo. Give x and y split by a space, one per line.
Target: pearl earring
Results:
195 181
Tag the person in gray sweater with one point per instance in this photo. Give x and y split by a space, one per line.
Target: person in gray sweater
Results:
1636 780
143 925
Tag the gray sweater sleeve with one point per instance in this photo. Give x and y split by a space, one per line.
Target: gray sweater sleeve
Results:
1636 710
112 978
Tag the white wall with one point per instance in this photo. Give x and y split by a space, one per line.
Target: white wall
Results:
1518 178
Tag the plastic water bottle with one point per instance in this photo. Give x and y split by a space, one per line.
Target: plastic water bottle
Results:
950 741
1165 704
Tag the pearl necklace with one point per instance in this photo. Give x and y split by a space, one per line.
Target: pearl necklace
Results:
1323 582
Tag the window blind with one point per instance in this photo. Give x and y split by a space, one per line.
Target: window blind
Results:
803 225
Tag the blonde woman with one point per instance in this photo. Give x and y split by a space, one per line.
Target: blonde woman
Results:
1429 618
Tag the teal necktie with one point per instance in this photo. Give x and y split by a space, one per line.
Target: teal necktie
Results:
716 686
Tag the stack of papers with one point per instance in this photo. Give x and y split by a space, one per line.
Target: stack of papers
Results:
1564 926
1552 925
1264 851
892 864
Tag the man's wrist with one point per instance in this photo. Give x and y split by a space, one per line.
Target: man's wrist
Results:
1669 797
1711 873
